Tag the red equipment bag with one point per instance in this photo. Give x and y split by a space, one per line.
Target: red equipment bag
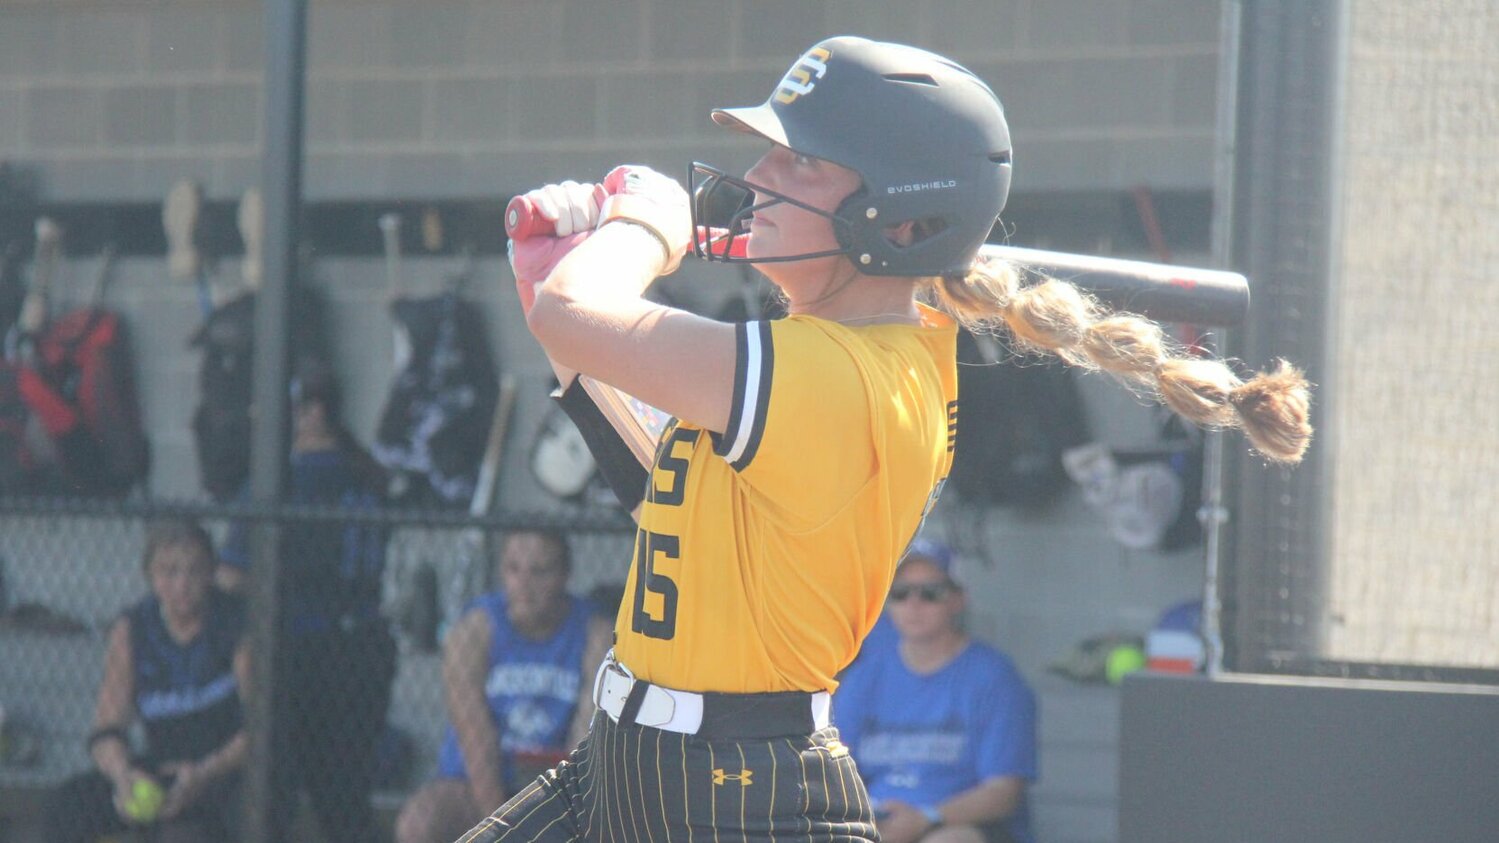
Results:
89 407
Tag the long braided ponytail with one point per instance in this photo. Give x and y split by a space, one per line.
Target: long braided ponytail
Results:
1272 408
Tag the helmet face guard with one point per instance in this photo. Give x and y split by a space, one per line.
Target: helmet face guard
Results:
927 138
721 208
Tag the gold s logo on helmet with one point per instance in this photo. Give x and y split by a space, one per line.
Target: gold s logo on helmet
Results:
803 76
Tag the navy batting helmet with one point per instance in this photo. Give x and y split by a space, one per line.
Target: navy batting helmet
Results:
927 137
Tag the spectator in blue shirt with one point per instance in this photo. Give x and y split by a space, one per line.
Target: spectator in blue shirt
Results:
335 656
943 727
177 665
517 671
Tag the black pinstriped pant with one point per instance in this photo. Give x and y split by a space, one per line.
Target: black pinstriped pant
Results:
636 784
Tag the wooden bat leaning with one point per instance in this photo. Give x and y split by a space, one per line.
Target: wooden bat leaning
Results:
494 448
475 551
1164 292
390 239
33 315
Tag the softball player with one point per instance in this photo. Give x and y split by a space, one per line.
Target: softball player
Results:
804 452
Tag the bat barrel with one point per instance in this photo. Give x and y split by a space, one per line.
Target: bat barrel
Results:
1163 292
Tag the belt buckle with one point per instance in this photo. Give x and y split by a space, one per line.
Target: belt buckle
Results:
614 665
609 665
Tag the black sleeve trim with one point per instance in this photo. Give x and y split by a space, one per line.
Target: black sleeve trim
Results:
616 462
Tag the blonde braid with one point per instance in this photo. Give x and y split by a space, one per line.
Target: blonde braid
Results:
1272 408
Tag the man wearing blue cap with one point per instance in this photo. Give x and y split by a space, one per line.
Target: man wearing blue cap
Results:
943 727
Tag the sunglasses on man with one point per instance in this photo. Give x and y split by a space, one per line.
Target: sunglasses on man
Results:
926 592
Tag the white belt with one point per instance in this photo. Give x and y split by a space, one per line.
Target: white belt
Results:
665 708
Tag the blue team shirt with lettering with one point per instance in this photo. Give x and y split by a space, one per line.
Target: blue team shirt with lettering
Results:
186 693
532 686
923 739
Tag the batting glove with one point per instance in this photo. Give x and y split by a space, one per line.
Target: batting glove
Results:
656 202
573 210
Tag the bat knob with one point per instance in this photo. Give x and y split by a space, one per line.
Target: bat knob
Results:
519 219
48 231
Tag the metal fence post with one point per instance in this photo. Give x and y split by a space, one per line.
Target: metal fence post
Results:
281 180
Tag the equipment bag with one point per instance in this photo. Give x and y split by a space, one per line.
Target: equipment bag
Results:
435 423
221 422
15 457
1016 415
85 359
17 464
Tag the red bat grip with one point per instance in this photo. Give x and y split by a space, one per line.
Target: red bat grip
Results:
522 220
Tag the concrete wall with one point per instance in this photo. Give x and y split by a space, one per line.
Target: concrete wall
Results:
115 101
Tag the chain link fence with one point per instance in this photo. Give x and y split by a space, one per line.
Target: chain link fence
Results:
366 598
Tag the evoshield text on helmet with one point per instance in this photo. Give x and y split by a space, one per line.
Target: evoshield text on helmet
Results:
927 137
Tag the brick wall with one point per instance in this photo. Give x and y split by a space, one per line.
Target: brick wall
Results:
448 98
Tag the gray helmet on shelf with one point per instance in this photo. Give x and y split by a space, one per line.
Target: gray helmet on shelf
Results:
927 137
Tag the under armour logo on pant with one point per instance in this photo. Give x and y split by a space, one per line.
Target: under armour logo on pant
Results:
743 777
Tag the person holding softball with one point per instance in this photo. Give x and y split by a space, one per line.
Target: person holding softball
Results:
176 662
802 454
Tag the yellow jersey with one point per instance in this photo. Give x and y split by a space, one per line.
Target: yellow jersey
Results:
764 553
